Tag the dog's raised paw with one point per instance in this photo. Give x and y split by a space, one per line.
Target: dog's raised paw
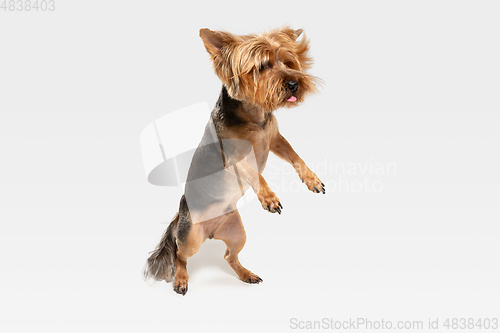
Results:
313 183
270 201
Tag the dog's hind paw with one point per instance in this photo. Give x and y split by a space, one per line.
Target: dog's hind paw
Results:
181 288
251 278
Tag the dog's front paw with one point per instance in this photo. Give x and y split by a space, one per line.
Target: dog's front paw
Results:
313 183
269 201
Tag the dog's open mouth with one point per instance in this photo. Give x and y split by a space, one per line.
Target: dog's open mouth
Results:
291 99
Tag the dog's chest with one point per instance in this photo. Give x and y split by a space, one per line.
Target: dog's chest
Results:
261 142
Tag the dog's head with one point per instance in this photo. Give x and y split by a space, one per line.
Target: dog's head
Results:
266 70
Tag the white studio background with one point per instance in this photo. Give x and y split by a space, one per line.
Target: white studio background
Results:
404 133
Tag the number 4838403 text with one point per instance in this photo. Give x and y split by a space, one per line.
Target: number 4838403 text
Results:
28 5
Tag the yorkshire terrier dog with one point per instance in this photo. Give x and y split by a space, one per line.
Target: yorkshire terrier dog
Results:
260 74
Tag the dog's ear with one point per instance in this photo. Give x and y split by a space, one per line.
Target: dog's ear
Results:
298 32
290 33
219 46
215 40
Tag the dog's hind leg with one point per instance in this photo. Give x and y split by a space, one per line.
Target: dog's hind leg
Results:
189 239
232 233
187 246
185 249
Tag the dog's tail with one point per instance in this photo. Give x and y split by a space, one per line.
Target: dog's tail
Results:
161 263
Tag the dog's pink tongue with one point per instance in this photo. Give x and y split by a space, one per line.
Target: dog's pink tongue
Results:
291 99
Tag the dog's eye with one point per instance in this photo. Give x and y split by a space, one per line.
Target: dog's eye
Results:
289 64
264 66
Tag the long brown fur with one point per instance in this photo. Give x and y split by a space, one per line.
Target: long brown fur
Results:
238 61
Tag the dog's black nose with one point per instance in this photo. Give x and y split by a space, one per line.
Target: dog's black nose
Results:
293 86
